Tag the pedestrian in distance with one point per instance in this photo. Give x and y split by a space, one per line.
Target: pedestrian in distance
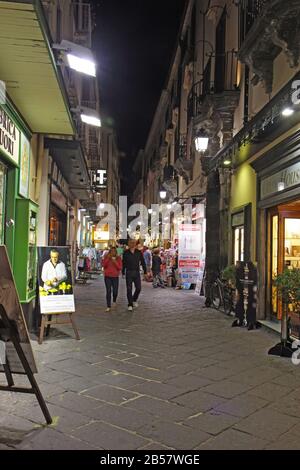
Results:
132 260
112 265
156 268
147 257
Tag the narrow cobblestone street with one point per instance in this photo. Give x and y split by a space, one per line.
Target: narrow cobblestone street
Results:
172 374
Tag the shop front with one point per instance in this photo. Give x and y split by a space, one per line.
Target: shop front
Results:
278 231
18 213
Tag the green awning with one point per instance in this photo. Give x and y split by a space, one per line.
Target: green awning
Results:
28 68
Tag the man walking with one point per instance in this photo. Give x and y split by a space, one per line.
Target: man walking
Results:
132 259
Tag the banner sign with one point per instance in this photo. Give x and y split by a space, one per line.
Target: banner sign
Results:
189 252
55 280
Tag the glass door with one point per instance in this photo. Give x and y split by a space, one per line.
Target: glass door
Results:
274 262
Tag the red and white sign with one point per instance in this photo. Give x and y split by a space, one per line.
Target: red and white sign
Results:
189 252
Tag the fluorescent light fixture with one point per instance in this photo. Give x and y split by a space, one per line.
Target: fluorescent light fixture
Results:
77 57
81 65
281 186
287 112
91 120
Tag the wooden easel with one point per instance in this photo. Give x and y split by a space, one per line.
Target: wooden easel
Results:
47 322
12 334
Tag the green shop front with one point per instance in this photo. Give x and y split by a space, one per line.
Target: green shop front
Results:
18 214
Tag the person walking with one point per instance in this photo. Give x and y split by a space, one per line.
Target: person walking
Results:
147 258
112 265
132 260
156 268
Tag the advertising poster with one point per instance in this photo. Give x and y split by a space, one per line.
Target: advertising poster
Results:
55 280
10 301
24 166
189 252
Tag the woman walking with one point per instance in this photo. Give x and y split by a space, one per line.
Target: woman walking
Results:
112 264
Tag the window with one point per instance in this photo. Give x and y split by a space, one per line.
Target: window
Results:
239 244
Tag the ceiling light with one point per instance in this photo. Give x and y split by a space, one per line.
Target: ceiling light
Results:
287 112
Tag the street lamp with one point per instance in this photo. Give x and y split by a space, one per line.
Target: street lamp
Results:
201 141
77 57
286 112
163 194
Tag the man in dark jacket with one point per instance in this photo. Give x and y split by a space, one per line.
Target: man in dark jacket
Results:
132 259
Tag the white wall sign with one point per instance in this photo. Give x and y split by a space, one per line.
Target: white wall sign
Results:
9 137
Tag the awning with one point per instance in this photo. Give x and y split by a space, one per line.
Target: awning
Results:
28 68
69 157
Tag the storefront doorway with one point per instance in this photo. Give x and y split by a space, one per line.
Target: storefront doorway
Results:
284 253
57 227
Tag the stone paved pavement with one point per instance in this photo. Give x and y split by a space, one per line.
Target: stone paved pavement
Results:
170 375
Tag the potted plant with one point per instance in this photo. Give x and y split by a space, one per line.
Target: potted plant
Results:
288 288
229 276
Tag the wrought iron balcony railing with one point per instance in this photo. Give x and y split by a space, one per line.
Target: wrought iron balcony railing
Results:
219 76
82 23
250 10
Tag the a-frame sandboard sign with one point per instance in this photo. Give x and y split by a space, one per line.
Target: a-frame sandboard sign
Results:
16 352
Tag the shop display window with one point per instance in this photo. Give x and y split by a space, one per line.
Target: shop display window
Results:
292 243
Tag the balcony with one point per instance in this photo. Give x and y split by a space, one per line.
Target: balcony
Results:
274 29
222 82
82 24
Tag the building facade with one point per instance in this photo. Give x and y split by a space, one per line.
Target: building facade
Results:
232 80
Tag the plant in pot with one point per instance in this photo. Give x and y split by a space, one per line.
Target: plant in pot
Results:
288 288
229 276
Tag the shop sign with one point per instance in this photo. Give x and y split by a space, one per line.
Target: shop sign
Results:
99 179
9 137
55 280
24 167
189 252
288 177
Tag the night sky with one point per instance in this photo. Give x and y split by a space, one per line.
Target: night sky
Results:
134 43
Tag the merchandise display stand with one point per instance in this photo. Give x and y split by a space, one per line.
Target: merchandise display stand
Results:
47 321
9 333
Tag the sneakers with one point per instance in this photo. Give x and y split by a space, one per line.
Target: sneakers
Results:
108 309
130 308
135 304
